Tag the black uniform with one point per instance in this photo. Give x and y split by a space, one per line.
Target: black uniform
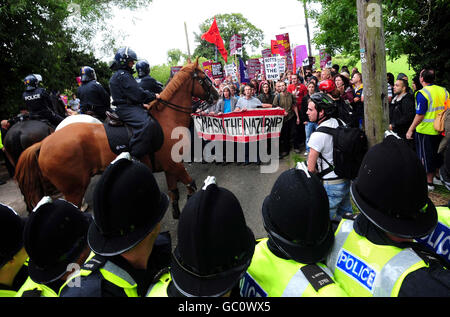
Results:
93 97
39 105
149 83
128 97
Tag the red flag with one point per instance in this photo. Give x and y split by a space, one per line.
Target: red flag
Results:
213 36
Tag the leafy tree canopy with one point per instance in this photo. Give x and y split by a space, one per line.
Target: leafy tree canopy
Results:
418 29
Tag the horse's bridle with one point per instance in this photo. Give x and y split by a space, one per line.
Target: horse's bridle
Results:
206 84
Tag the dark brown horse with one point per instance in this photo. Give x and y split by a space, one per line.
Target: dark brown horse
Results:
68 158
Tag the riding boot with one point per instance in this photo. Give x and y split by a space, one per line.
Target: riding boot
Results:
192 187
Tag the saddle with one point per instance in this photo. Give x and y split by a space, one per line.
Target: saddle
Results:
113 119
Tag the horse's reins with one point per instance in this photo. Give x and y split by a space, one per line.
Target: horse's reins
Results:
204 82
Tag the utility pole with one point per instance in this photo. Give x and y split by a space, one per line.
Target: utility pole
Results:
307 28
373 64
187 41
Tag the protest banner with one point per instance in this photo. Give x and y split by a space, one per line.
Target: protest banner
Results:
274 47
284 46
236 45
271 68
216 70
241 127
281 64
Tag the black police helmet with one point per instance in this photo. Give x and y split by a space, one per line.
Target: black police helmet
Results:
391 190
124 55
296 216
54 237
324 102
215 246
128 205
11 233
87 74
32 81
143 68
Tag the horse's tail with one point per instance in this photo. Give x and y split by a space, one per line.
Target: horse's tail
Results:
28 176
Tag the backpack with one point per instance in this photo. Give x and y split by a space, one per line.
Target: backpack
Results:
349 147
345 112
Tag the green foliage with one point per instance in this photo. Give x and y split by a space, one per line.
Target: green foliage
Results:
175 56
418 29
228 24
38 37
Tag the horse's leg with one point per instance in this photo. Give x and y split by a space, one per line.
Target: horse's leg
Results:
174 194
186 179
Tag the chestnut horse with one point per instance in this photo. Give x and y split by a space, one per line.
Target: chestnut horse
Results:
68 158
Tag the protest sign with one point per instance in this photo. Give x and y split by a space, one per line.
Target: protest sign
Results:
253 67
242 127
207 68
325 59
230 70
266 53
174 70
216 70
271 68
284 46
236 45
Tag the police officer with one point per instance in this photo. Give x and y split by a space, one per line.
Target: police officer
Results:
93 97
124 235
55 240
214 247
375 255
288 262
129 98
439 240
38 101
13 271
144 79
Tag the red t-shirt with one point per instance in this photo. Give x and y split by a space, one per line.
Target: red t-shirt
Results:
302 91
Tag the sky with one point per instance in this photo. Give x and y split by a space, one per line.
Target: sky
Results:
154 30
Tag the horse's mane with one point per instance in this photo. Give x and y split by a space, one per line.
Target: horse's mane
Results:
176 82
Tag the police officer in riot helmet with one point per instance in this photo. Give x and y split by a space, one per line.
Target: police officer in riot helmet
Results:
144 79
37 100
94 99
131 102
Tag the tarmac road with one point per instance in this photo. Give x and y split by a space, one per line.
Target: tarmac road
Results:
247 182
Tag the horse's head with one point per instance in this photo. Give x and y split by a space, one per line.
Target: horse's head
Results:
203 87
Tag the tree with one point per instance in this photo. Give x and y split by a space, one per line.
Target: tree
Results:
418 29
175 55
228 24
37 38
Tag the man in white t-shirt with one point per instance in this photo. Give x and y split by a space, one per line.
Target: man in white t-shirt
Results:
321 110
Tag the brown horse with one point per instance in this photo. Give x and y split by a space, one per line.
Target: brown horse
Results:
68 158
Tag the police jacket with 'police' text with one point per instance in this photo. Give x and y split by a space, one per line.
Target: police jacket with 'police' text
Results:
125 90
92 93
37 100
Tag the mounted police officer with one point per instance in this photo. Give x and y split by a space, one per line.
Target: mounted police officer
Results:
37 100
145 81
289 262
93 97
375 254
129 100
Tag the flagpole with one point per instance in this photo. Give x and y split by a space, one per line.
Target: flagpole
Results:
187 40
215 53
